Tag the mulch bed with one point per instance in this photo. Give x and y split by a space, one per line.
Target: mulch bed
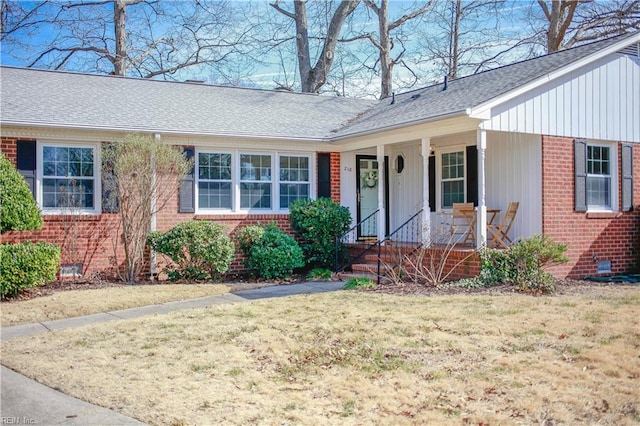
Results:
241 282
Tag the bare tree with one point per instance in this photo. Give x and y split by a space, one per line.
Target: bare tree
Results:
146 38
146 175
569 22
387 37
465 37
312 78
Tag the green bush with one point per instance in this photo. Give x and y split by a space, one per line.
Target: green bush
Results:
528 259
523 264
317 223
247 236
18 209
320 274
359 284
26 265
275 255
200 250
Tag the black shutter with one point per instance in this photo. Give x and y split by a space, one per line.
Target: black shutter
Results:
580 156
627 177
432 183
187 191
472 175
324 175
26 163
110 203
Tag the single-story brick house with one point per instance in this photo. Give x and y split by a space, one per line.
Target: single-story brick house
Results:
560 134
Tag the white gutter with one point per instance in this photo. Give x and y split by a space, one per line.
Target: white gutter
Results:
400 125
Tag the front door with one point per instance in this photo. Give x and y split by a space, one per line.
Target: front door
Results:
367 177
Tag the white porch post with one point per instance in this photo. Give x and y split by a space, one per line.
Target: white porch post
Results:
425 151
381 180
481 142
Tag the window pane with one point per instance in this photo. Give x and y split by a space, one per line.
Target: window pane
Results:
598 191
290 192
214 195
255 195
255 167
452 192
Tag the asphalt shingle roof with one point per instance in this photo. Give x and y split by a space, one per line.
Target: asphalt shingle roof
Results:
106 102
49 98
466 92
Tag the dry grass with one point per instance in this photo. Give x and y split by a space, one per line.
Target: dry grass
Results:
358 358
73 303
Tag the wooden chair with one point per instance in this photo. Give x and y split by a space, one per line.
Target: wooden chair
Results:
463 220
500 231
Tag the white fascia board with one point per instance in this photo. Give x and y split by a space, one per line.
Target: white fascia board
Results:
154 131
483 111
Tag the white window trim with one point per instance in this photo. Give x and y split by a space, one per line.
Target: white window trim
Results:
274 193
97 176
615 177
196 189
438 153
312 174
235 180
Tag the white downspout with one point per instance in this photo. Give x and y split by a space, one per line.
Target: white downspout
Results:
481 143
382 232
425 151
153 265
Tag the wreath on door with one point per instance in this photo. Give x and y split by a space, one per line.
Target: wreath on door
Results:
370 179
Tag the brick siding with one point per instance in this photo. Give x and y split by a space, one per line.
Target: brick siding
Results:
90 239
589 237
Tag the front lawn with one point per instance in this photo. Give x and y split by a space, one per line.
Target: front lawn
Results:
359 358
73 303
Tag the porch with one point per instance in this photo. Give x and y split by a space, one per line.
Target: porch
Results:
487 169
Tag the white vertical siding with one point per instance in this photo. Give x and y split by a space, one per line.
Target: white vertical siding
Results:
405 189
514 173
598 101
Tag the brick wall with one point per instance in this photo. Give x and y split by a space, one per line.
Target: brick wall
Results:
335 176
589 237
90 239
9 148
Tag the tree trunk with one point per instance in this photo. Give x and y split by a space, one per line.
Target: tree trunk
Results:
454 45
119 26
560 17
386 64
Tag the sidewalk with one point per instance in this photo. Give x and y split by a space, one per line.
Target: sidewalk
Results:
24 401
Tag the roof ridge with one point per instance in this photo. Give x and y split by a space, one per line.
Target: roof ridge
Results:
187 82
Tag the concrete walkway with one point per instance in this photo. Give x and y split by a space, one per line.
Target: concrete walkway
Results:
24 401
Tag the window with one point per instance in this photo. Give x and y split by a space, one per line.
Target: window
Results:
598 177
214 180
234 181
294 179
68 181
452 177
255 181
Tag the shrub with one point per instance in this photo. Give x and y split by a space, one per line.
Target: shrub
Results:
248 236
320 274
318 223
523 264
275 255
199 250
359 284
26 265
18 209
528 257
